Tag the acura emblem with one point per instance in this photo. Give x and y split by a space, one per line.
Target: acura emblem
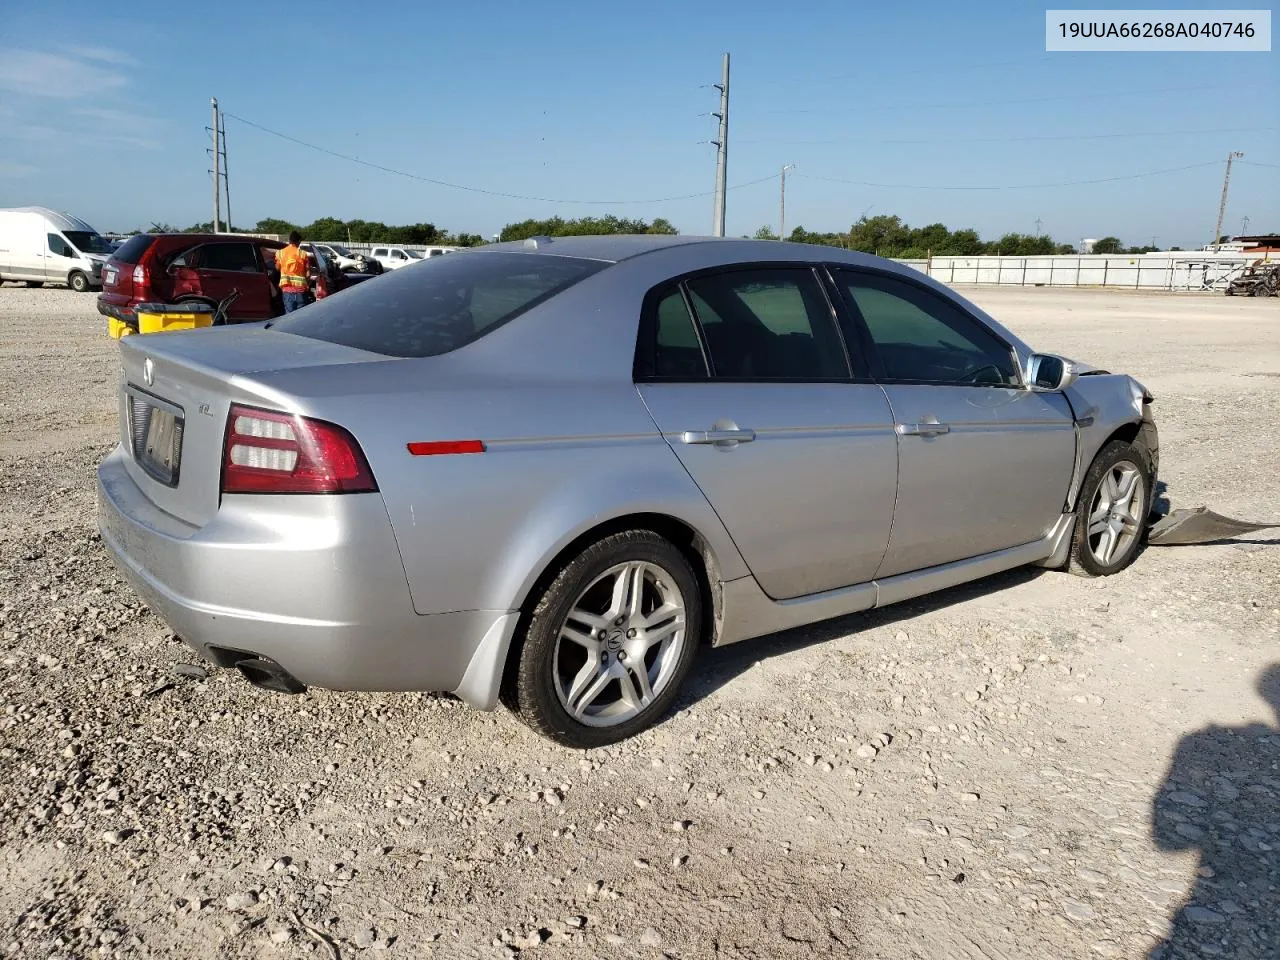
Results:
148 372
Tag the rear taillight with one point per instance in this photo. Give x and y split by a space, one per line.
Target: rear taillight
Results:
142 273
271 452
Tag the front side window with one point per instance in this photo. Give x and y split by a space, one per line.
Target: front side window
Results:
439 306
923 338
228 256
59 247
768 324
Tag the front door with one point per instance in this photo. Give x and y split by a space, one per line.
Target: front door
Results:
983 462
59 260
753 392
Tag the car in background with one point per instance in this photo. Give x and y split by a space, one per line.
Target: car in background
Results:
346 259
393 258
39 246
548 473
207 268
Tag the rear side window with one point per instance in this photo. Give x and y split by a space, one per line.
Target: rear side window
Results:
133 248
669 348
228 256
768 324
439 305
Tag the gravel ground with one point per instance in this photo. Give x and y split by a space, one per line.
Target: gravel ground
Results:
1036 765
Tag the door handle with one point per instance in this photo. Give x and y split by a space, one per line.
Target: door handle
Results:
725 437
922 429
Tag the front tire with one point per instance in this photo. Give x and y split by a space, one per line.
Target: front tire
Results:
608 643
1111 512
78 282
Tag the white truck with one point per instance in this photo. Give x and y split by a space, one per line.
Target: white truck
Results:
392 257
39 246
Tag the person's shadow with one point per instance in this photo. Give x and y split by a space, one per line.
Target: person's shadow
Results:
1222 797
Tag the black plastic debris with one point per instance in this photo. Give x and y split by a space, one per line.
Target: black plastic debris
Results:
1199 525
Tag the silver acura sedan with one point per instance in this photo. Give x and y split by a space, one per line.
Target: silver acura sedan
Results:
547 472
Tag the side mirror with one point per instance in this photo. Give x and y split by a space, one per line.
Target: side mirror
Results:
1047 371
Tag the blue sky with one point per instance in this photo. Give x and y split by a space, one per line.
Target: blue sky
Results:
103 110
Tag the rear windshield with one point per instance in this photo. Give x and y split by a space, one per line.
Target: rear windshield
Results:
437 305
133 248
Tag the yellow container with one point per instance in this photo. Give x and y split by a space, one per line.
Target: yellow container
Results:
118 328
161 317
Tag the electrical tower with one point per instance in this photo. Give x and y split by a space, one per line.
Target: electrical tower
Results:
722 148
1222 204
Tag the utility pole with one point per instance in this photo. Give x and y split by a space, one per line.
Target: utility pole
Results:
1222 205
782 202
722 148
1038 222
226 174
217 174
1244 225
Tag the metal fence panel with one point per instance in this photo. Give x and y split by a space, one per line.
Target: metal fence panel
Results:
1173 271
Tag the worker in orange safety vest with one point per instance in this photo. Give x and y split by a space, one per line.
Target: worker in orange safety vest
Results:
292 262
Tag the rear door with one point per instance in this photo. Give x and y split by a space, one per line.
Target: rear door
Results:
745 373
234 266
984 463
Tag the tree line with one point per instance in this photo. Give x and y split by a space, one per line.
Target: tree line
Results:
888 236
885 235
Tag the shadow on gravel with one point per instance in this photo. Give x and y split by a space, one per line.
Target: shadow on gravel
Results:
1222 798
717 667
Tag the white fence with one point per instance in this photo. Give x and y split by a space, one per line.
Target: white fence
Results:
1178 271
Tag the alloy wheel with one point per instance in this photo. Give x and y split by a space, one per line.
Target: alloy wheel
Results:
1116 513
620 644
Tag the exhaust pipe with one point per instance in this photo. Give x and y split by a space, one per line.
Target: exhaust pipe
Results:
269 675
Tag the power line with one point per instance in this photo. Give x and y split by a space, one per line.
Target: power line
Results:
898 104
936 68
1255 163
1011 186
1054 137
481 190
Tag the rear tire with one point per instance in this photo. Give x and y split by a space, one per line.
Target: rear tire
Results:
608 642
78 282
1111 511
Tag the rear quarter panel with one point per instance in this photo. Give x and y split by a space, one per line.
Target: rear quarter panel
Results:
476 530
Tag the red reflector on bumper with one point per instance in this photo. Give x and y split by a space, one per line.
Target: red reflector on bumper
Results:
432 448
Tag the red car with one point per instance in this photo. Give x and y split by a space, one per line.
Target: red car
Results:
205 268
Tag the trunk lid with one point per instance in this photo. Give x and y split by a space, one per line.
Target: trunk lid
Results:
175 393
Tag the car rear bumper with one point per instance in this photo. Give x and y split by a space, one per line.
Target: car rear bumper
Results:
313 583
115 309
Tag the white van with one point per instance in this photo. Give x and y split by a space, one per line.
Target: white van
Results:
39 245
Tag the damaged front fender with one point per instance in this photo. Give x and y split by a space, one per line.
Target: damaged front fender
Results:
1107 405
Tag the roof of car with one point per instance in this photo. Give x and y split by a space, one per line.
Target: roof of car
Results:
214 237
610 247
614 248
